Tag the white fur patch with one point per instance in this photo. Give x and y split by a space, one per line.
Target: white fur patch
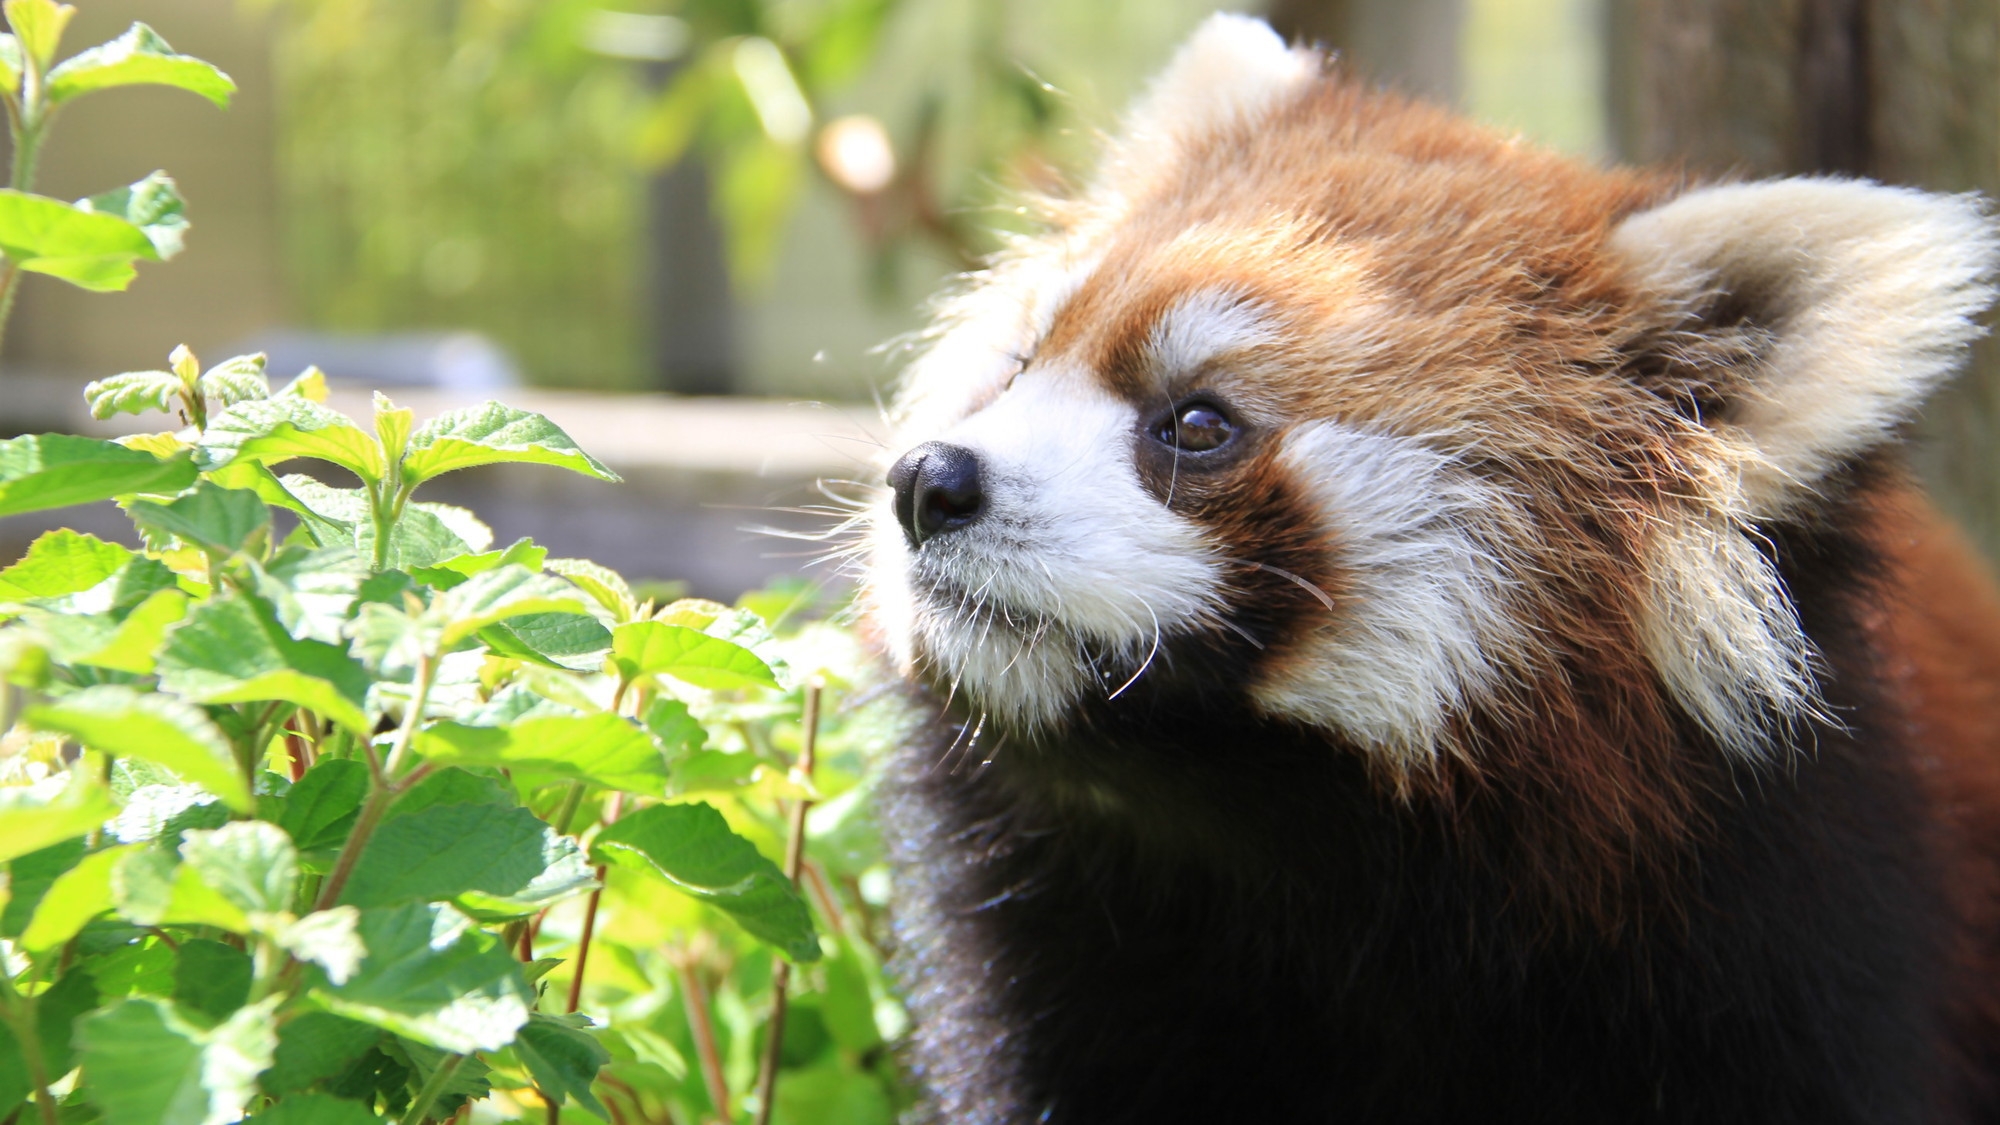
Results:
1230 71
1069 579
1870 292
1724 636
1204 325
1427 621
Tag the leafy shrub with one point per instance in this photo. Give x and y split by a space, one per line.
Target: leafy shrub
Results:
322 809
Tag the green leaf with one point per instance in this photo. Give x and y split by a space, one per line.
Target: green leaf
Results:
150 889
328 938
603 749
323 805
447 850
210 978
56 1013
606 585
645 648
61 562
151 727
453 786
694 850
317 1109
278 429
137 57
490 434
39 25
499 594
236 379
673 728
563 1058
84 247
151 1065
218 520
251 863
313 1046
455 570
570 641
469 1081
11 63
134 392
154 205
132 646
78 895
233 649
431 976
28 880
33 817
41 471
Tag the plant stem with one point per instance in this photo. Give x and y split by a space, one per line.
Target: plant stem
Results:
28 126
795 852
383 789
18 1013
433 1086
702 1024
611 810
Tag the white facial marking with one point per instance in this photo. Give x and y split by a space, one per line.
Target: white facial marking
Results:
1204 325
1427 620
1071 576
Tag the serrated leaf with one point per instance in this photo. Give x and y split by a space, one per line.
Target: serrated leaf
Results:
233 649
455 570
61 562
236 379
149 889
84 247
446 850
154 205
77 895
490 434
322 806
603 749
32 817
328 938
499 594
570 641
42 471
218 520
674 729
430 976
312 1047
27 882
278 429
155 728
563 1058
310 384
137 57
694 850
606 585
133 645
39 25
151 1065
649 648
134 392
251 863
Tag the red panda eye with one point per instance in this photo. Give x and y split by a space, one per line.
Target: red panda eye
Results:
1197 427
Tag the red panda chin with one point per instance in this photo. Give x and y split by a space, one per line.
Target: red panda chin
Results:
1399 606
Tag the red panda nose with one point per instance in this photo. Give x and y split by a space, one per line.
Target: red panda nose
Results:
937 490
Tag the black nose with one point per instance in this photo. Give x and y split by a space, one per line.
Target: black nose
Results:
937 490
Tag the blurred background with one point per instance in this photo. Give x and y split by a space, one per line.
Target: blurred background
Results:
686 229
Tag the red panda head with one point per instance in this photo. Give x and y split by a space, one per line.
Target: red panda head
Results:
1393 427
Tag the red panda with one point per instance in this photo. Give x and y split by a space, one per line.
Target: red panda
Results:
1422 629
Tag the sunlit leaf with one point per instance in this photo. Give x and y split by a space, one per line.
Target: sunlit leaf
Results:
237 379
134 392
646 648
287 426
152 727
492 433
137 57
154 205
606 585
56 1013
33 817
151 1065
39 25
694 850
77 895
61 562
84 247
563 1058
313 1046
218 520
446 850
604 749
433 977
251 863
233 649
42 471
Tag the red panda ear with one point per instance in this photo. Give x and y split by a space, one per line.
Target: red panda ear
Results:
1861 299
1232 69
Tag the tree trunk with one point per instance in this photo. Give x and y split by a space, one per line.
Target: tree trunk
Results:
1903 91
